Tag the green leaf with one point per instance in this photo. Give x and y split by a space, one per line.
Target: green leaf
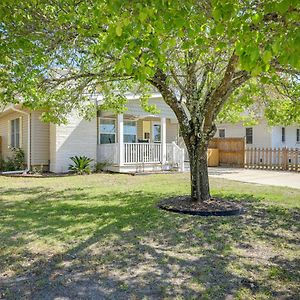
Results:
199 41
256 70
267 56
217 13
283 6
220 28
256 19
254 54
276 46
142 16
119 30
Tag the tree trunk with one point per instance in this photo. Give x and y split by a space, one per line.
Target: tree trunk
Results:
199 174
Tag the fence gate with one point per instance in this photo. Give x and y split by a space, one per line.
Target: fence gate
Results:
231 151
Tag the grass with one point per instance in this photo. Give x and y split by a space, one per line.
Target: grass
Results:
102 237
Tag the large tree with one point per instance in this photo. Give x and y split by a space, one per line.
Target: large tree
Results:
208 59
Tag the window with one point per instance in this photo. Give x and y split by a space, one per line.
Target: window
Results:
156 133
129 132
298 135
283 134
249 135
107 131
15 133
222 133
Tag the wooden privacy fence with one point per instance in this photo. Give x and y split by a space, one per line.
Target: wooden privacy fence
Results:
231 151
273 159
0 147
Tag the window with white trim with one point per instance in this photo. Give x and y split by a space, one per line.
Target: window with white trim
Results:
298 135
222 133
156 132
249 135
107 131
15 135
130 132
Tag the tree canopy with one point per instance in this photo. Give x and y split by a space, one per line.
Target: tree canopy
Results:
209 59
53 53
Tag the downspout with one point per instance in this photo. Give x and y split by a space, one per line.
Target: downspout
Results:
28 143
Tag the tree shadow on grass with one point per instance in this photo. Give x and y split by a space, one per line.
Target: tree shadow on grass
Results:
120 246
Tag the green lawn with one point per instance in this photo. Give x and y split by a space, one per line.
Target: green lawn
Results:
102 237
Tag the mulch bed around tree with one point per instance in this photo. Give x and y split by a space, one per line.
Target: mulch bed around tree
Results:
212 207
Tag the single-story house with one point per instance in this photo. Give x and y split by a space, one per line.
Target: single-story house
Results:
135 141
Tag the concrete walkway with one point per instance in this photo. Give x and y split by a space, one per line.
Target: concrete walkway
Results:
277 178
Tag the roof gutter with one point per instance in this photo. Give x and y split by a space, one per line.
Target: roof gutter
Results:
28 142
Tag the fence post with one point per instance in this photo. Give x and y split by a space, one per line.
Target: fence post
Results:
296 160
285 155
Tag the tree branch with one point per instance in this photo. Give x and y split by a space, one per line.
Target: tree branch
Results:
159 81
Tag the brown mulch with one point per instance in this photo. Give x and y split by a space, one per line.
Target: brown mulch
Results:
214 206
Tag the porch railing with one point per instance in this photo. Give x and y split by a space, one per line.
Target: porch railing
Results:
139 153
142 153
175 156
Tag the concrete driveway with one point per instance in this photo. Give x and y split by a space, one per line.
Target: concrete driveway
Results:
277 178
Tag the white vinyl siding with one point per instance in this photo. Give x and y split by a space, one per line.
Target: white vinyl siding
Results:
40 140
77 137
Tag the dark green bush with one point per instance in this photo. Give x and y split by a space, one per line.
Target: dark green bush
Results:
14 163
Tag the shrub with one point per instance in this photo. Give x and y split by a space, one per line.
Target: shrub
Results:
81 165
100 166
14 163
2 164
18 158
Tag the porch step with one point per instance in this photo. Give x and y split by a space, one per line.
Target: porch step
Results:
153 172
143 169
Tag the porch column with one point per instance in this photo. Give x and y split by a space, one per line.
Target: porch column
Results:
120 139
163 140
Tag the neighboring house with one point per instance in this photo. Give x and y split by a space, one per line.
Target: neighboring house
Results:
135 141
262 135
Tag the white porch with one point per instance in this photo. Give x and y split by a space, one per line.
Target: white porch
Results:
142 155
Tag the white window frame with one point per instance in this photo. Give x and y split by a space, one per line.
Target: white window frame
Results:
224 133
99 128
13 141
132 121
298 135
